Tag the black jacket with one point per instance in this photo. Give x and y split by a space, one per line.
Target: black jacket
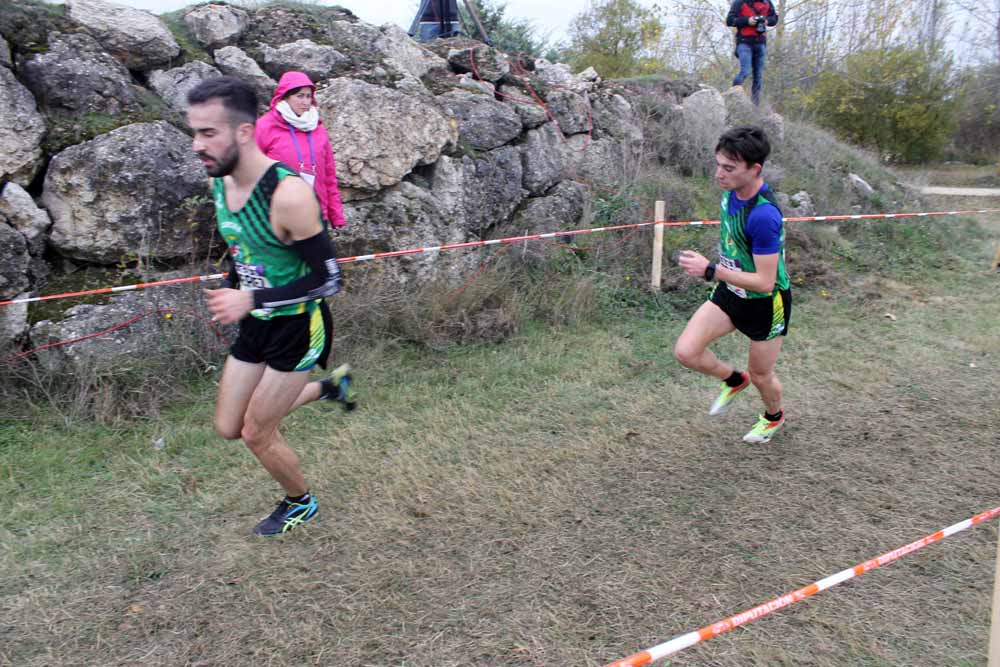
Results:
739 17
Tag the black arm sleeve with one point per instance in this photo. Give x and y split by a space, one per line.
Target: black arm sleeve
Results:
232 279
733 19
322 280
772 15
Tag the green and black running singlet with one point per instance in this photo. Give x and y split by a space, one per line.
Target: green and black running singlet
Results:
261 259
735 251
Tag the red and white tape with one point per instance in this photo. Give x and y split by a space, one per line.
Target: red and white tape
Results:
480 244
684 641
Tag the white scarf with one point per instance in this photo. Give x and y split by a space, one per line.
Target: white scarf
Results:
307 122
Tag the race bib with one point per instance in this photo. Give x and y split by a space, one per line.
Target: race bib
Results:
733 265
251 276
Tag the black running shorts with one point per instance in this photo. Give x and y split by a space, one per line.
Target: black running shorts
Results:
763 318
287 342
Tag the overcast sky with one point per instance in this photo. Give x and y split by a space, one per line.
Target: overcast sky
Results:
551 17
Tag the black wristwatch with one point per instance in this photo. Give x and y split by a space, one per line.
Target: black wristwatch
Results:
710 272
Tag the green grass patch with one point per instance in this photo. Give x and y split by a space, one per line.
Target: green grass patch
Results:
555 495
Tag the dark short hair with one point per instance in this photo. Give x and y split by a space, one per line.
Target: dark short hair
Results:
748 143
236 95
295 90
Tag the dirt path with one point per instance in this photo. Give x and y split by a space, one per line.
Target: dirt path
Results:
960 192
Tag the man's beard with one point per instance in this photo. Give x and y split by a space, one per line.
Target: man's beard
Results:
225 164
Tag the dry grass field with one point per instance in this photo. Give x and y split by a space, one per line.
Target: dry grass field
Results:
560 498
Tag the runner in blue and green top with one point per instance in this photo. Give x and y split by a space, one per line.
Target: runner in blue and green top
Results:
284 265
752 292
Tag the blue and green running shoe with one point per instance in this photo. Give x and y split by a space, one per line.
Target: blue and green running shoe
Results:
338 388
726 395
286 516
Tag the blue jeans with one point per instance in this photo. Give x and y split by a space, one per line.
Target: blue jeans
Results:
751 56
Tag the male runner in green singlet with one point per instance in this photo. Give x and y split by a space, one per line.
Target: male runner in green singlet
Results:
284 265
752 292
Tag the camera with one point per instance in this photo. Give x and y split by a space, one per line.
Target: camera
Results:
760 24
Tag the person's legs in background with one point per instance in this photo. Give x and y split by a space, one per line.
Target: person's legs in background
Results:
759 54
745 54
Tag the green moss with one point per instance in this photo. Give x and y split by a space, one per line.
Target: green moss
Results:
27 24
91 277
190 48
67 130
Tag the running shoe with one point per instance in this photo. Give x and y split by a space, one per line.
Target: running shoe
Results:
726 396
338 388
286 516
763 430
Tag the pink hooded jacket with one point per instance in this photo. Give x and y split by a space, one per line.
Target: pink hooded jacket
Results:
275 139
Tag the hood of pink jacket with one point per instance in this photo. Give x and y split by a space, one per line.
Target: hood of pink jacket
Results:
290 81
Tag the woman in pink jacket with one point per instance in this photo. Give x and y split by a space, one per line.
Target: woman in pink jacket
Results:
291 132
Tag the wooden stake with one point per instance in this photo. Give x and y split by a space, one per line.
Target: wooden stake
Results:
657 274
996 259
994 660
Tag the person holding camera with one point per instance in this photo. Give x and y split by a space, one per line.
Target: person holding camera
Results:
751 19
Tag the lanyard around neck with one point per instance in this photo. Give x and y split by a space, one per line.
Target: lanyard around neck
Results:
298 152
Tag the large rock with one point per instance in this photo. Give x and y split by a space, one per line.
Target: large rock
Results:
14 261
571 111
408 216
361 42
232 61
5 59
482 61
532 114
13 322
602 162
215 26
277 24
137 38
492 187
317 60
128 345
705 117
690 131
553 74
799 205
135 192
483 123
774 124
471 83
77 75
615 117
561 208
174 84
380 134
402 52
740 110
19 210
544 159
21 131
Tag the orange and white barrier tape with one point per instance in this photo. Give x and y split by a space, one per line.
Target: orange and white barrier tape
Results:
509 239
122 288
682 642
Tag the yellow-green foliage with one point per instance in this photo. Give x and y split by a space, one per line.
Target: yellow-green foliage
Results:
895 100
977 115
618 38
